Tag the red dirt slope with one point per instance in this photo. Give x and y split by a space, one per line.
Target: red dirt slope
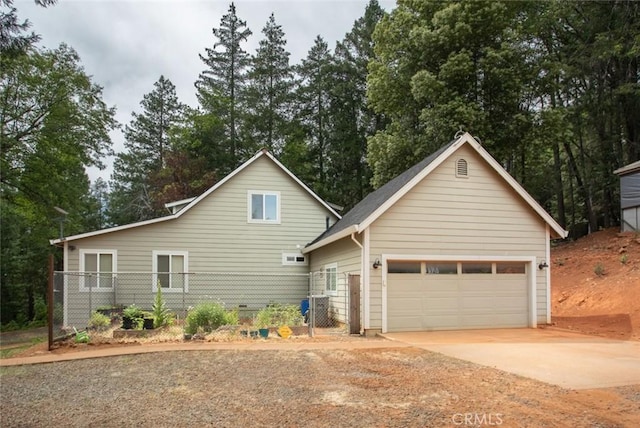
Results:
595 284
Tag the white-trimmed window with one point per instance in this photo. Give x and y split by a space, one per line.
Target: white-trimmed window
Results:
170 271
98 269
331 279
263 206
294 259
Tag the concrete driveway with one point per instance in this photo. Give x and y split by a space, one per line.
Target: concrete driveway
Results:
553 356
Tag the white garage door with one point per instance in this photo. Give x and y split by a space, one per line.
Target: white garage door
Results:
424 295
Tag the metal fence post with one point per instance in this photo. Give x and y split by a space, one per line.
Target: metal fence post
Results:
90 294
50 303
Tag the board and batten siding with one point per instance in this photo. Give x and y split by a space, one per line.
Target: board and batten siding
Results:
346 254
445 215
216 233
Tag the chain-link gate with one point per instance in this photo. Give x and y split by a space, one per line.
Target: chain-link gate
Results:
328 300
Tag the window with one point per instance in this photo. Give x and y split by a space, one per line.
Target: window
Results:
170 271
476 267
462 168
441 268
403 267
510 267
290 259
331 279
99 267
264 207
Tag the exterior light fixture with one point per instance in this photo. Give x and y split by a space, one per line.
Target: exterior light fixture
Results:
543 265
377 264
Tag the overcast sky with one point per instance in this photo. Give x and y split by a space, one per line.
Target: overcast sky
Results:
125 45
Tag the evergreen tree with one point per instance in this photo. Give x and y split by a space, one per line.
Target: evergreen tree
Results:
352 121
440 66
221 87
313 113
147 142
270 82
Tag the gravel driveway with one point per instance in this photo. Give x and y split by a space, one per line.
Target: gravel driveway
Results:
399 387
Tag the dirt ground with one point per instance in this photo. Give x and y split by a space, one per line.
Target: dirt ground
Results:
387 387
595 285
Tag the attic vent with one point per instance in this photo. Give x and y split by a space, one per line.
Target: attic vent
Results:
462 168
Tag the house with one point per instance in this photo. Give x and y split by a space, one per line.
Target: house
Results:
629 196
239 242
454 242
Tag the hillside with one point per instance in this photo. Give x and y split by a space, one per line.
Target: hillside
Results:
595 284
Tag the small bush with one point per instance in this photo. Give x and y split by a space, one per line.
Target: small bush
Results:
624 258
161 314
277 315
99 320
135 314
40 310
599 269
58 313
11 326
207 317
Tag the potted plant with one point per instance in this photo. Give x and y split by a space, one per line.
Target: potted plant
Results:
132 317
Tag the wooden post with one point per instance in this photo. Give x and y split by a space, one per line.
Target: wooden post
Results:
50 303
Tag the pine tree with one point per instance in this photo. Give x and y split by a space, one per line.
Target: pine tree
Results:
221 87
352 120
270 82
312 100
147 142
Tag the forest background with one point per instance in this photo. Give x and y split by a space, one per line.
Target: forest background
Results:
551 89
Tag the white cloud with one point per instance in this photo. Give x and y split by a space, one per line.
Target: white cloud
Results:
125 45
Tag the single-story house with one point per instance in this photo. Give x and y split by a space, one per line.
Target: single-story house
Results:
629 196
454 242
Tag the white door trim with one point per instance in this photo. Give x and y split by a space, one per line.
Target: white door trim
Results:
531 286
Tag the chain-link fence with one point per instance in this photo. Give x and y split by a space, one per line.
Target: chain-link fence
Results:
321 297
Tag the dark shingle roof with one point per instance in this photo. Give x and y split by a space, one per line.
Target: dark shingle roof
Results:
374 200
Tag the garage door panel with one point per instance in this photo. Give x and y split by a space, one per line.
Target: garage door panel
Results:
447 302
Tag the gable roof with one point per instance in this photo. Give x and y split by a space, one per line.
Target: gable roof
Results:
628 169
195 201
379 201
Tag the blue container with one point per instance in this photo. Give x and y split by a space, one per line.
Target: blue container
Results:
304 308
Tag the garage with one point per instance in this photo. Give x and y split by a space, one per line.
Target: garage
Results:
456 294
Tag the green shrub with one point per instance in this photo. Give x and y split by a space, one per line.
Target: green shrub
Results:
624 259
40 309
207 317
161 314
58 313
599 269
99 320
277 315
135 314
12 325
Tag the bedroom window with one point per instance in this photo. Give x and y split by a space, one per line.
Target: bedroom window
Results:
291 259
98 267
170 271
331 278
264 207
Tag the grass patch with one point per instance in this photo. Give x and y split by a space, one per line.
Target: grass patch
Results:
12 351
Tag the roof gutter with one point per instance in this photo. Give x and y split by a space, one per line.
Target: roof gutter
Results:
335 237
